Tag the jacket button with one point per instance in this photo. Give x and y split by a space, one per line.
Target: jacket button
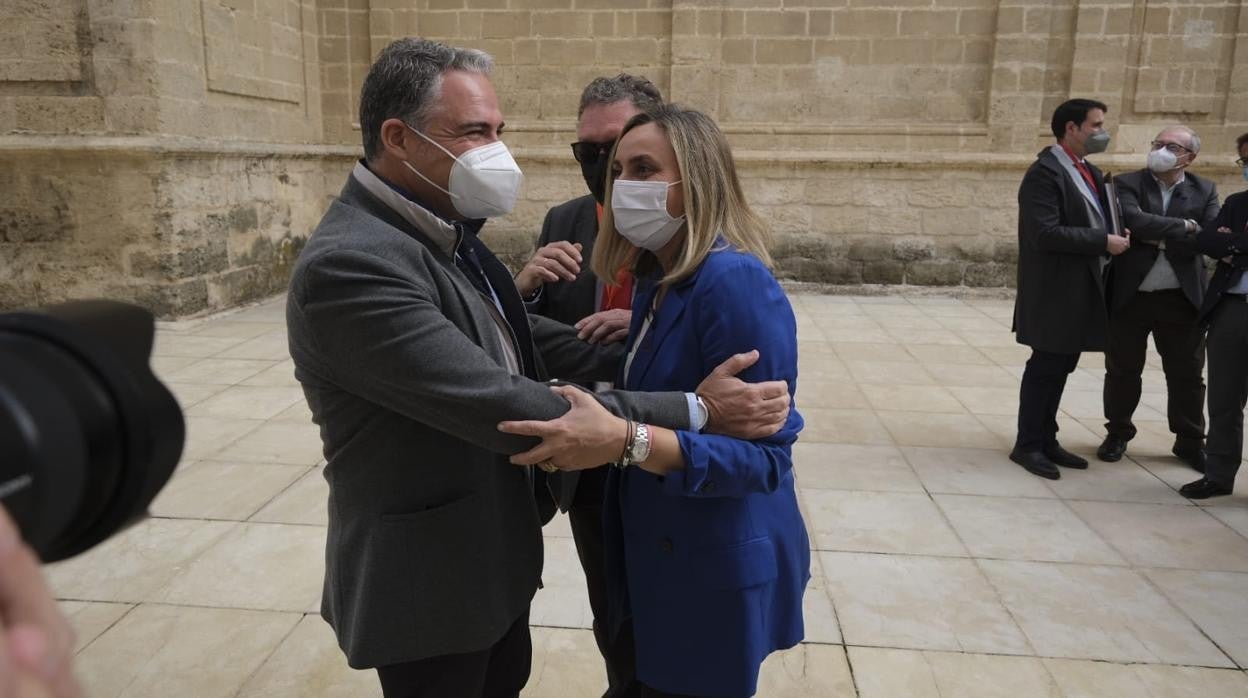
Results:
666 545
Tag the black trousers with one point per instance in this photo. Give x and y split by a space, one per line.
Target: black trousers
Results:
499 671
1228 389
1039 398
585 515
1171 319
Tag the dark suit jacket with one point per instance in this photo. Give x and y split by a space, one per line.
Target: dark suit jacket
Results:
1234 215
1195 198
569 301
1060 303
434 544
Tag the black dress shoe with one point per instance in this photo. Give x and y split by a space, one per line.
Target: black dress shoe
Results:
1111 449
1065 458
1194 456
1203 489
1036 463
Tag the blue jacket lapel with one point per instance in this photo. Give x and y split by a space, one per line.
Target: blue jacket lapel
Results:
665 319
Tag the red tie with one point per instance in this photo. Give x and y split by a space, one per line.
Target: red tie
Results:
1083 170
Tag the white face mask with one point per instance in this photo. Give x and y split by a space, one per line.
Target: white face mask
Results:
640 211
1162 160
485 181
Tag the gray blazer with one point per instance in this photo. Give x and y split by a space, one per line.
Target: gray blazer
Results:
434 544
1195 198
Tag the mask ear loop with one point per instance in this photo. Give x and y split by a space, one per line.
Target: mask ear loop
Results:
417 172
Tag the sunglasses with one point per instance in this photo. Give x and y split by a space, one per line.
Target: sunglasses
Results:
588 153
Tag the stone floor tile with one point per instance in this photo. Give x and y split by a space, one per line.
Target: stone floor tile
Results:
879 522
272 346
238 330
866 351
912 398
876 335
281 374
206 436
894 673
292 443
164 366
1083 679
1124 481
563 602
305 502
984 339
1216 601
991 401
889 373
919 603
162 651
1147 442
218 371
1161 535
1235 517
90 619
309 663
1013 356
836 394
973 376
190 394
919 323
1011 528
807 670
939 354
818 612
272 310
247 402
1175 473
953 309
298 412
978 323
821 368
221 490
808 331
833 322
844 427
853 467
1090 404
940 430
198 346
926 335
134 565
974 471
558 527
566 663
1106 613
272 567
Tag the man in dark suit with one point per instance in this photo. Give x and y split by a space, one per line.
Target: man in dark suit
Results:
412 345
556 283
1225 313
1157 287
1059 310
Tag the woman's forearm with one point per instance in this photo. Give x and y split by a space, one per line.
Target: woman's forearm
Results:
665 454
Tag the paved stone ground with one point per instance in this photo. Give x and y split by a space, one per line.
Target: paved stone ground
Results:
941 569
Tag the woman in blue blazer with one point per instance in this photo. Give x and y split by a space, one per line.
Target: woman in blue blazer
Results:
707 552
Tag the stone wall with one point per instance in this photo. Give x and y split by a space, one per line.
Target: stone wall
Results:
178 152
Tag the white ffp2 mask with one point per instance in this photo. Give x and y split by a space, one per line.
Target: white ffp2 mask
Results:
640 212
485 181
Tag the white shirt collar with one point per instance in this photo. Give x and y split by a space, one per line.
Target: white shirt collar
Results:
1182 178
443 234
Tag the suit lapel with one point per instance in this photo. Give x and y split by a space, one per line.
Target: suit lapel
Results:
504 288
1152 196
663 321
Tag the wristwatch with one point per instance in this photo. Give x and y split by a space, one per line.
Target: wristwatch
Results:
637 450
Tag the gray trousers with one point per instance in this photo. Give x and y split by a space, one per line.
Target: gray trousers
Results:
1228 389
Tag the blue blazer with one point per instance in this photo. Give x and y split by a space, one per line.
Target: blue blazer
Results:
710 562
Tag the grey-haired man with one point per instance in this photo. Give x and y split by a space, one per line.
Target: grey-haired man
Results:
412 344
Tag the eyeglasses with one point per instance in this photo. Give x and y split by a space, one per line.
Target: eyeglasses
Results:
588 153
1172 147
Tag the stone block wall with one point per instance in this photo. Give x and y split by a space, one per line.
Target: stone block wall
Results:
179 152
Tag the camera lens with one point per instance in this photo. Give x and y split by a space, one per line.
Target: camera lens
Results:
88 435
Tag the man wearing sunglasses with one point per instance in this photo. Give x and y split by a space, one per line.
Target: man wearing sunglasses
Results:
558 283
1157 287
1225 313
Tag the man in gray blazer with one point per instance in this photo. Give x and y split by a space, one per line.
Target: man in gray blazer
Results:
1157 287
412 344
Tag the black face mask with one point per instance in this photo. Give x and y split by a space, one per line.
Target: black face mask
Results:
595 174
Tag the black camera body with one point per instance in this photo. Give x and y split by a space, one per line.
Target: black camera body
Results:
88 435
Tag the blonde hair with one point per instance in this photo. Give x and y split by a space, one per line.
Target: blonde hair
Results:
714 202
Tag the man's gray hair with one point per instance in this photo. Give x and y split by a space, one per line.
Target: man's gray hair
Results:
636 89
1193 141
405 82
